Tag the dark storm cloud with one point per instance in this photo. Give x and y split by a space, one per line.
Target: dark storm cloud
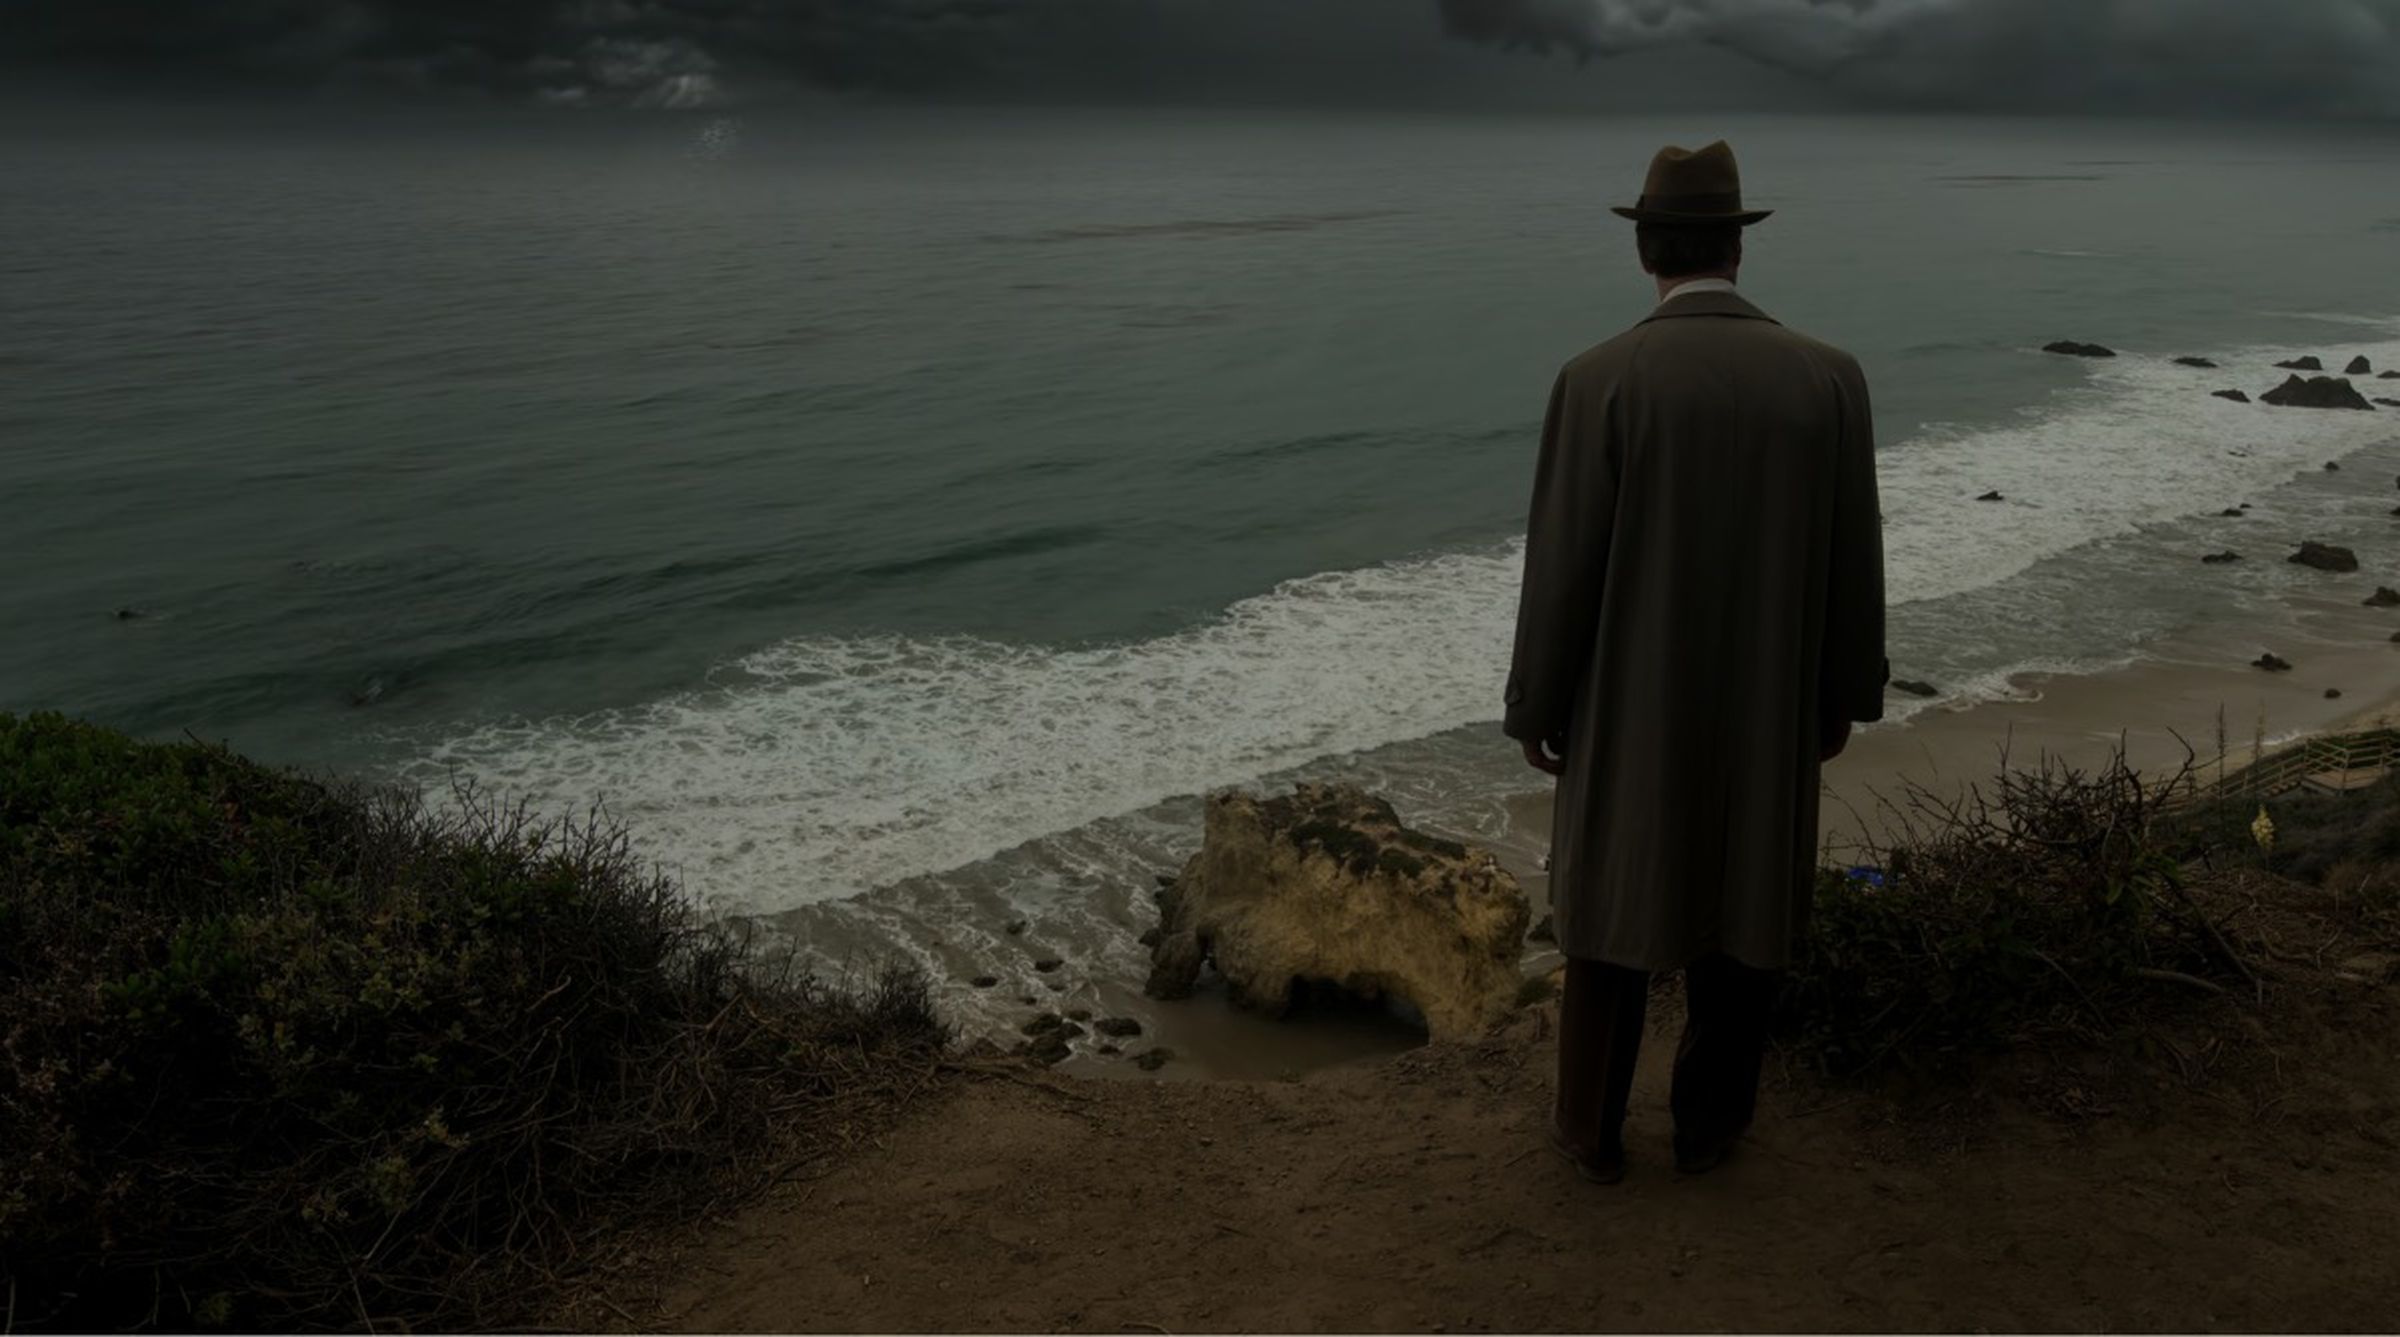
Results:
2337 57
2241 56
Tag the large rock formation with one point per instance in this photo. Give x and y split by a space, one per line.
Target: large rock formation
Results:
2074 349
2359 366
2308 363
2317 392
1326 884
2325 556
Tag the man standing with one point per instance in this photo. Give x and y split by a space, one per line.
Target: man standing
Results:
1700 624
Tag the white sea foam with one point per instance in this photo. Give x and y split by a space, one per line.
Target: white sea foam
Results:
825 766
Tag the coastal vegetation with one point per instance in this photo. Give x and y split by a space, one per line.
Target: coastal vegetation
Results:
277 1052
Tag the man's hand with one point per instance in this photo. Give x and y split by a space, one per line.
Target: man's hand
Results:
1553 761
1832 740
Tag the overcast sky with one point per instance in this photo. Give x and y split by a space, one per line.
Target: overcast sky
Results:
2239 57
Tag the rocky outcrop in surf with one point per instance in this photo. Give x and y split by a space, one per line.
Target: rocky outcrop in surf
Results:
2309 363
2317 392
2359 366
2235 395
2073 349
2193 362
2325 557
1326 884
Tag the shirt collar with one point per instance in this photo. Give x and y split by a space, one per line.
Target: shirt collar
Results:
1696 285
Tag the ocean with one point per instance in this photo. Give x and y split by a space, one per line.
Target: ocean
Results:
900 517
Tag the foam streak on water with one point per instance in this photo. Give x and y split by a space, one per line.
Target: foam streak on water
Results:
822 767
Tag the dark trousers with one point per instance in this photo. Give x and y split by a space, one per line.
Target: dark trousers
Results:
1716 1066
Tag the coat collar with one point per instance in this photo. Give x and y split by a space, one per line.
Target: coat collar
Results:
1708 303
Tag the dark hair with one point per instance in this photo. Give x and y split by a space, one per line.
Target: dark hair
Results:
1673 252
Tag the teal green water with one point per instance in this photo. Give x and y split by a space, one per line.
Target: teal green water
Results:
849 501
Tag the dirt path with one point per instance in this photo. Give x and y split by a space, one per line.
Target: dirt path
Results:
1414 1195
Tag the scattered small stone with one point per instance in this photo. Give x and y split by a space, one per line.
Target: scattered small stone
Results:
1117 1027
2333 693
1151 1060
1048 964
1915 688
2332 468
1110 1050
1015 927
2245 506
2308 363
2073 349
1055 986
2219 558
2384 597
985 981
2193 362
1991 496
2235 395
2272 663
2359 366
2325 557
1079 1014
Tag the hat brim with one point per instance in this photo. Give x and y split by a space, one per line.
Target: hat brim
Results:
1742 219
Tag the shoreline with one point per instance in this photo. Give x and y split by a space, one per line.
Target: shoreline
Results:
2174 689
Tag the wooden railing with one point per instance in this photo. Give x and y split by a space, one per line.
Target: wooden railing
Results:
2324 763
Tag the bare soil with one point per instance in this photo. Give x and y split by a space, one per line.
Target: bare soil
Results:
2235 1168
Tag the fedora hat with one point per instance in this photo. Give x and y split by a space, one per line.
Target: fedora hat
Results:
1692 186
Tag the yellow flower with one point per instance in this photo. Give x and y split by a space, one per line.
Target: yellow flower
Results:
2262 829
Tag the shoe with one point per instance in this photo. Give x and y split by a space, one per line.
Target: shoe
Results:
1699 1155
1606 1167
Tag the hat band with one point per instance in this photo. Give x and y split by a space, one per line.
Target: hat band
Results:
1724 202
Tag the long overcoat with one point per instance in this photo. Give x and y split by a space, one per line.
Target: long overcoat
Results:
1703 597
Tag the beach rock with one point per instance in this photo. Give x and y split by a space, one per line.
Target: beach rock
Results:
2074 349
2317 392
2243 507
1117 1027
2384 597
2388 403
128 613
2387 375
2396 510
984 981
1048 1022
1111 1050
2272 662
2230 513
1546 931
1151 1060
1915 688
2332 467
2218 558
2308 363
1991 496
2325 556
1048 964
2396 637
1015 927
2359 366
2333 693
2193 362
1325 884
2235 395
1079 1014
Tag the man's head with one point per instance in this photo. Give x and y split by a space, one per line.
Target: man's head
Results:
1678 251
1689 220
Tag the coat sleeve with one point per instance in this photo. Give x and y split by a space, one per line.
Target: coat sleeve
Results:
1566 558
1854 667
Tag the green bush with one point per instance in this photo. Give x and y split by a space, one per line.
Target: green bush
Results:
278 1052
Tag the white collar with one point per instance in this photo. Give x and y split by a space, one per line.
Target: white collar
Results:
1696 285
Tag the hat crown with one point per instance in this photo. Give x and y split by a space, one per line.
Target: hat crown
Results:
1708 172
